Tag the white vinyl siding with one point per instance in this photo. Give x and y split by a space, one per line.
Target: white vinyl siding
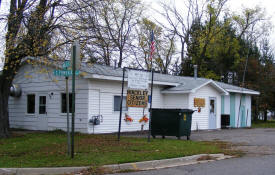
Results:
33 82
200 119
179 101
101 101
96 97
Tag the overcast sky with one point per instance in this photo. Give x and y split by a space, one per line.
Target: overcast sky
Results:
236 6
233 5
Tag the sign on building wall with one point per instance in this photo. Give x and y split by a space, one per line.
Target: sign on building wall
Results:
199 102
137 98
138 79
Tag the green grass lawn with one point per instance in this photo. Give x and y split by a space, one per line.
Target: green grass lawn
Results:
263 124
49 150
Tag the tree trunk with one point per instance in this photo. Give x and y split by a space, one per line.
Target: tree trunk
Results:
4 113
120 58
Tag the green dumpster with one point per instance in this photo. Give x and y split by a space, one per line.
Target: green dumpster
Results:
171 122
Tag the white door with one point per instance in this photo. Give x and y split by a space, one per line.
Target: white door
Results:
212 113
42 121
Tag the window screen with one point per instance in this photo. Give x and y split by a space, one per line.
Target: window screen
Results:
31 103
117 103
63 103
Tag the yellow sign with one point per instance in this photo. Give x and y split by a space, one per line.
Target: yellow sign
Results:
184 117
137 98
199 102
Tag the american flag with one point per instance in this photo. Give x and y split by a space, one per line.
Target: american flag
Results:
152 45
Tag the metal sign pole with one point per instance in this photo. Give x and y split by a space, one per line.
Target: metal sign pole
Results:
150 117
73 100
68 119
121 100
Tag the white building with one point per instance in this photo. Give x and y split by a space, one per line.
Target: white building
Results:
1 66
41 105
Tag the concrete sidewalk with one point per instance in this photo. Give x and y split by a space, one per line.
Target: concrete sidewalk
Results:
146 165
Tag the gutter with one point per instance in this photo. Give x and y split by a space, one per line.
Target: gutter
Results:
104 77
244 92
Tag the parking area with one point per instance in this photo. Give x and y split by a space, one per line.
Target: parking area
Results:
258 144
252 141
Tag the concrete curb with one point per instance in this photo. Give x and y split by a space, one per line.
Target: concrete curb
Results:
40 171
166 163
137 166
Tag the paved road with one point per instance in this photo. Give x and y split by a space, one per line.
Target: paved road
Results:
259 145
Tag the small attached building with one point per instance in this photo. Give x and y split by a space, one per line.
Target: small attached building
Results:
41 105
237 105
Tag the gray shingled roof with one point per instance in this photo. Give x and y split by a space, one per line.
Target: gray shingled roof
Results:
186 83
118 72
230 87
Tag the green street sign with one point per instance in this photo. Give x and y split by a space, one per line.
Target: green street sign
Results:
66 64
65 73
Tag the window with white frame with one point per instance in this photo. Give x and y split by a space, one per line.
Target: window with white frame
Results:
117 103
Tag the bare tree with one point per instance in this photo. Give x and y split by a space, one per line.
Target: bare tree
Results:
252 23
182 18
106 27
164 47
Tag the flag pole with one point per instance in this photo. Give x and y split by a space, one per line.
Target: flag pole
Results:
152 48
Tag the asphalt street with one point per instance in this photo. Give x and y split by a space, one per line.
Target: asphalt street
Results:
258 144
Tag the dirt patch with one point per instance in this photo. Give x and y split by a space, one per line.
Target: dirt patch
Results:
93 170
206 157
255 150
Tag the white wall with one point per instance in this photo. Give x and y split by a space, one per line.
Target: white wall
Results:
200 120
94 97
32 81
101 101
179 101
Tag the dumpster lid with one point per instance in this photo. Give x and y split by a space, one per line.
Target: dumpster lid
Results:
173 109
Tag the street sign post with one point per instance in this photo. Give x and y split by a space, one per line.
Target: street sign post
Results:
75 62
70 72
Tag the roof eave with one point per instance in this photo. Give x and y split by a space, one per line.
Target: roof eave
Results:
175 92
224 92
244 92
114 78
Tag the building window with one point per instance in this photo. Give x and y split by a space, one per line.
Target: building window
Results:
42 104
117 103
31 103
63 103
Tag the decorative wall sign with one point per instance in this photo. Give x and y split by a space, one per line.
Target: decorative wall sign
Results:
199 102
137 98
138 79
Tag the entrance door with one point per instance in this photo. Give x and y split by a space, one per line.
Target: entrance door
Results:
212 113
42 121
